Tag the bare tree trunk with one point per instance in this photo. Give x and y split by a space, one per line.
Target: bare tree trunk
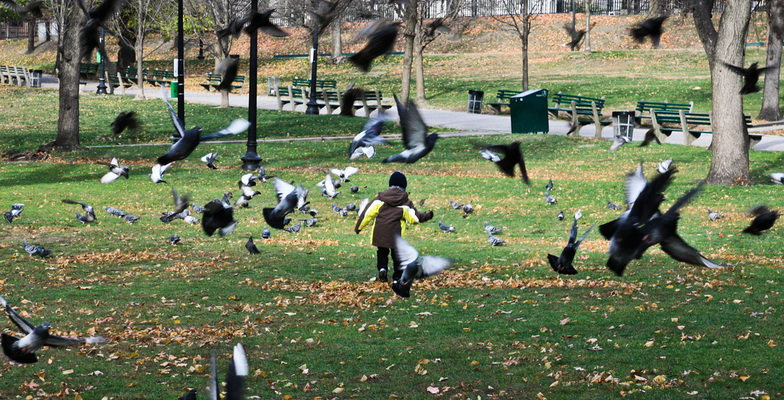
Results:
224 99
524 39
139 69
409 34
30 35
770 110
68 123
705 29
337 44
587 40
730 146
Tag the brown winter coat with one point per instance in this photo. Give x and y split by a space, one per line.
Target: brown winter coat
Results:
392 211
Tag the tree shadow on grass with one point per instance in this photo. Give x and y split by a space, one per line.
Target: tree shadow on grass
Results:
47 173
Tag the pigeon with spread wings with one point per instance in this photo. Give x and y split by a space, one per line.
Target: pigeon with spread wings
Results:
415 137
506 157
415 267
22 350
563 263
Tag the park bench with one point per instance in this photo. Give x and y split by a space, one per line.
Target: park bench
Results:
645 108
213 80
579 107
667 122
502 99
131 74
160 77
119 79
88 70
14 75
321 84
290 95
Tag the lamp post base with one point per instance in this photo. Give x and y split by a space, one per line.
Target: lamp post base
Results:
312 109
101 87
251 161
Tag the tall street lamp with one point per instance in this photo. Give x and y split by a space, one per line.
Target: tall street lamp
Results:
102 64
312 104
251 161
180 65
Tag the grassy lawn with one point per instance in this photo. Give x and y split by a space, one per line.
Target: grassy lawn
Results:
498 325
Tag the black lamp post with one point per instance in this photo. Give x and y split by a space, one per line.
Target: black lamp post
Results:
312 104
102 65
201 50
180 65
251 160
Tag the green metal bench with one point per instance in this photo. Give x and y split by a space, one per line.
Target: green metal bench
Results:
160 77
667 122
644 108
213 80
502 99
290 95
321 84
577 106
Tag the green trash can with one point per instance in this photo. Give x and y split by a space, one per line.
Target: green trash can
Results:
529 112
174 91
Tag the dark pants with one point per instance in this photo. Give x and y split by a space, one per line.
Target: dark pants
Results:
383 261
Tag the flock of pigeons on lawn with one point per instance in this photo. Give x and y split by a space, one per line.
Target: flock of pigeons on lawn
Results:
641 226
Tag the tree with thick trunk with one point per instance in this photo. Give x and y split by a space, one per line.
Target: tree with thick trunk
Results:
770 110
31 22
69 51
730 146
410 14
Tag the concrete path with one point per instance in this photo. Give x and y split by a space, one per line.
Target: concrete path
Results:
463 122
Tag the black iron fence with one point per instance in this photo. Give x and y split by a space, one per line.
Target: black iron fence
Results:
13 30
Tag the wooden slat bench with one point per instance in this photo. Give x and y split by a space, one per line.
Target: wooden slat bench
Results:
667 122
645 108
576 106
321 84
160 77
88 70
502 99
290 95
372 100
132 76
213 80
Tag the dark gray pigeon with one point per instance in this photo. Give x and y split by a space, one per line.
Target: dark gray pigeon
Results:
294 228
613 206
252 249
95 18
88 210
174 239
131 218
560 216
417 141
575 36
364 142
125 120
265 233
36 250
467 209
549 186
22 350
750 76
218 216
209 160
415 267
506 157
354 189
563 263
310 222
381 40
228 71
288 198
651 27
181 204
764 218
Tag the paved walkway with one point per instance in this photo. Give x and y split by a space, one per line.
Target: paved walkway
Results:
463 122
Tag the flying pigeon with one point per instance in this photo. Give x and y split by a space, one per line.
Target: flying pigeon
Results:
578 214
619 141
188 140
265 233
549 199
364 142
180 208
36 250
436 26
235 377
493 230
415 138
713 215
124 120
576 125
174 239
575 36
252 249
328 187
88 209
560 216
227 69
415 267
157 173
764 218
664 166
218 215
777 178
96 17
563 263
282 189
115 211
115 171
549 186
33 8
344 174
14 212
650 136
506 157
262 176
22 350
750 76
288 198
651 27
347 101
209 159
256 22
380 41
494 241
326 13
445 228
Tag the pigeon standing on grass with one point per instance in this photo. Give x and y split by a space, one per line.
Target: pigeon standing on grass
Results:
613 206
549 199
174 239
563 263
417 141
456 205
764 218
218 216
549 186
560 216
265 233
713 215
14 212
36 250
467 209
415 267
495 241
22 350
115 211
445 228
252 249
493 230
